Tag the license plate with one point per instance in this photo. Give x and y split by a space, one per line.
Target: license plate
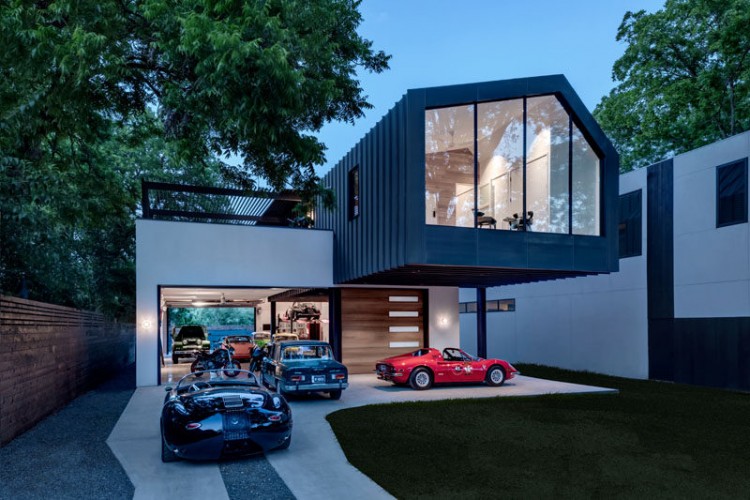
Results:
318 379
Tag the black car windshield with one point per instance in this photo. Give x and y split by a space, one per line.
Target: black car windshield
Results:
216 378
307 352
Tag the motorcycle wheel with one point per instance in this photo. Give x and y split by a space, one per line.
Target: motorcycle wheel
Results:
234 371
196 367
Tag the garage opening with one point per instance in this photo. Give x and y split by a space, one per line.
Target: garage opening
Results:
195 319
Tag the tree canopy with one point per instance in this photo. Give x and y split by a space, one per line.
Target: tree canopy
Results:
683 82
95 96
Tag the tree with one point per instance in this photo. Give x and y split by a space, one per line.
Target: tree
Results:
683 82
96 95
250 77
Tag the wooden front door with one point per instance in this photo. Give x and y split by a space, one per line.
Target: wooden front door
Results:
380 323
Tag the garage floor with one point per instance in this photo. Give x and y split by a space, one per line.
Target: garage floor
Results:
314 466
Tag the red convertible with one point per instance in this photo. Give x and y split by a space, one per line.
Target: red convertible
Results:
423 367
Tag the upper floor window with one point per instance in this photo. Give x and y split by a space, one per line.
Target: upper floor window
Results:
519 165
630 224
353 190
731 193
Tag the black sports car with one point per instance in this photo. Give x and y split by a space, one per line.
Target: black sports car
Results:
209 416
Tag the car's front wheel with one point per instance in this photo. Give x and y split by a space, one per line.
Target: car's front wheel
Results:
335 395
420 379
495 376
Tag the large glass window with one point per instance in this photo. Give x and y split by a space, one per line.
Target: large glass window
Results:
586 178
449 166
535 169
500 155
547 154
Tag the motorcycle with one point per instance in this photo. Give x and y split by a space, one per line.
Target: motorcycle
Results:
220 358
256 360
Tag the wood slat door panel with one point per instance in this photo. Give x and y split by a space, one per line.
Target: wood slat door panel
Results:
365 324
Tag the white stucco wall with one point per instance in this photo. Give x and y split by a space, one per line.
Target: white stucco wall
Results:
596 323
195 254
711 265
443 317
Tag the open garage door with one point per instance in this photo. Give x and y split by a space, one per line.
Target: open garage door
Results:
201 318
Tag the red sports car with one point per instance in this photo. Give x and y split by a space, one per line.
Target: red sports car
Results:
423 367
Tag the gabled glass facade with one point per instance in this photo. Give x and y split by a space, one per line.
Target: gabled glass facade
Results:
487 164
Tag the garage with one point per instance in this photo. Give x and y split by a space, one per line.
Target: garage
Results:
201 318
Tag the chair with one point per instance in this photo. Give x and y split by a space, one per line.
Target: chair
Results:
518 224
485 220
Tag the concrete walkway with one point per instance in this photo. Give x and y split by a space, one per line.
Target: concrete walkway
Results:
314 467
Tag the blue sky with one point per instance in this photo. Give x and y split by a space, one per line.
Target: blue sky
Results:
444 42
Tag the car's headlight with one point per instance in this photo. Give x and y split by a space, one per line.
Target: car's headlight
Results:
276 402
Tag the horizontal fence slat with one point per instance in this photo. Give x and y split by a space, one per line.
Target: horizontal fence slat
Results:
50 354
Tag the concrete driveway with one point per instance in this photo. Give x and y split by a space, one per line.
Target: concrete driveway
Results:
314 466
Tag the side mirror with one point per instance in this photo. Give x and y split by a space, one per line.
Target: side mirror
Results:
168 388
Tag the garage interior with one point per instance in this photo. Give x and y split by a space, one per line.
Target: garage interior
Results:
272 312
376 323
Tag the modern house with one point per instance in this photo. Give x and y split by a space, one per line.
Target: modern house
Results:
465 186
679 307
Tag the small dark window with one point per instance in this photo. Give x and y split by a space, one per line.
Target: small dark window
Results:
630 224
731 193
354 193
501 305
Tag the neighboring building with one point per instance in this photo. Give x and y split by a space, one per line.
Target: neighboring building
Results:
473 185
678 309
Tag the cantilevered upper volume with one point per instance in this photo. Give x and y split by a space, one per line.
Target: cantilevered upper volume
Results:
480 184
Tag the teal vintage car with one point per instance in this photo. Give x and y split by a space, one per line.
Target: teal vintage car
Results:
303 367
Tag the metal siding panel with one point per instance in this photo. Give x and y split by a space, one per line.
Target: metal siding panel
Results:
401 184
382 167
550 251
389 152
449 95
660 240
504 89
591 253
414 195
711 352
368 224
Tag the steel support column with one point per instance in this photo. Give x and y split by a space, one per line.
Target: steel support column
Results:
482 322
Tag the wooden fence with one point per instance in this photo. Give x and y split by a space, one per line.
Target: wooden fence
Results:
51 354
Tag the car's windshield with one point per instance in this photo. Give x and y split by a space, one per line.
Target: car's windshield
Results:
217 378
307 352
238 339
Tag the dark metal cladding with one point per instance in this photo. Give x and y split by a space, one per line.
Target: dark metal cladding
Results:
389 242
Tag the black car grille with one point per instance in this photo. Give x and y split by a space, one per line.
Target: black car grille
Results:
383 368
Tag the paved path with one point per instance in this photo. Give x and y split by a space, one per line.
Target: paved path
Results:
314 467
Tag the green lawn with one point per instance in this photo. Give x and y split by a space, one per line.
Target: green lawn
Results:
652 440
